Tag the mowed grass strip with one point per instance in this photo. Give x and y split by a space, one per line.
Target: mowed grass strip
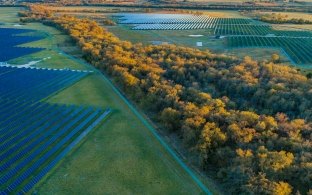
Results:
120 156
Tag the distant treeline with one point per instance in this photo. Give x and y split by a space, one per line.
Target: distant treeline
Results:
249 121
213 7
282 19
171 4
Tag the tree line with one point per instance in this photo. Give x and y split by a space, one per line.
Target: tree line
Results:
282 19
248 120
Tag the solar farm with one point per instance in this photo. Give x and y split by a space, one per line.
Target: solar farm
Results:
177 21
34 135
237 32
298 49
56 136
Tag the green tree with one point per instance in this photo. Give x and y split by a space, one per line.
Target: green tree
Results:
211 137
171 118
272 161
275 58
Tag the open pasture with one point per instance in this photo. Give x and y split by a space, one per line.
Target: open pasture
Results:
9 14
288 15
298 49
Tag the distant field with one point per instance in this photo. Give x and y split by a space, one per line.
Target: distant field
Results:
80 10
223 14
9 15
239 1
292 15
94 9
306 16
119 157
293 26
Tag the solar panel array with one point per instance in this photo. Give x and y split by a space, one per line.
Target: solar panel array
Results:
41 136
297 49
11 41
177 21
262 30
34 84
220 26
130 18
35 136
10 38
223 30
12 31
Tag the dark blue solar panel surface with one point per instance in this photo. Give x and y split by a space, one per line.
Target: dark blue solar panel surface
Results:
10 38
48 133
33 84
35 136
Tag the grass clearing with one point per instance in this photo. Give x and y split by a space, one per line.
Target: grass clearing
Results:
292 15
292 26
222 13
9 15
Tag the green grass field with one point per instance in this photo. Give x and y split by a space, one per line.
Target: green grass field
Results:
9 14
119 157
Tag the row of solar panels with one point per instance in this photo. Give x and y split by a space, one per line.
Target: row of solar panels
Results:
40 132
32 84
35 136
177 19
10 38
